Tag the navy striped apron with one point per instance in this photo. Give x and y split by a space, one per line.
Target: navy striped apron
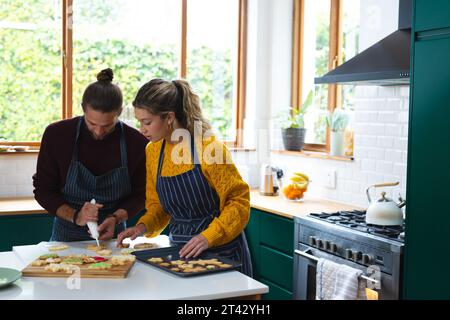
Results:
193 204
82 186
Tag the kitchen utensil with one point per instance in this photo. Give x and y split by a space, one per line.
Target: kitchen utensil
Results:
384 211
93 227
173 254
8 276
267 186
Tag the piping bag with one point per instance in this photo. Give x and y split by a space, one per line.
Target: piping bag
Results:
93 226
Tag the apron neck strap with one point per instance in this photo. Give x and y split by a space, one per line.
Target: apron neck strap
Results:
194 155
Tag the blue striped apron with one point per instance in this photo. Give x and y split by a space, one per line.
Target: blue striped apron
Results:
82 186
193 204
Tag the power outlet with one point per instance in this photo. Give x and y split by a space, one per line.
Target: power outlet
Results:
330 178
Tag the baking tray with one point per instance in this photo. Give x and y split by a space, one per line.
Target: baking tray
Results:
172 254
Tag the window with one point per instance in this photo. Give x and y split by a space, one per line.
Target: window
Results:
138 39
326 34
30 68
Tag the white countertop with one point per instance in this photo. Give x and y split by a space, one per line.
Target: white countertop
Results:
143 282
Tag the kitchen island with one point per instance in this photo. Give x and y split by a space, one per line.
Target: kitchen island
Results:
143 282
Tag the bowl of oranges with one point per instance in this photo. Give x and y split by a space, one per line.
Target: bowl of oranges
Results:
296 187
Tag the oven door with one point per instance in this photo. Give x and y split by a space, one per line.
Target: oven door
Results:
305 263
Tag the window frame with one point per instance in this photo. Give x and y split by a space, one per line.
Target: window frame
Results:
67 67
334 59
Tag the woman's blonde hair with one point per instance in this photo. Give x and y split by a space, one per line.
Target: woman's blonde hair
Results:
160 97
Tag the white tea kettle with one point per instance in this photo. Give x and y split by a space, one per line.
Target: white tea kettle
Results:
384 211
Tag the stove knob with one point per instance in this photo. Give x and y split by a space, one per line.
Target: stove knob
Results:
320 243
334 248
356 255
327 245
348 254
367 258
312 241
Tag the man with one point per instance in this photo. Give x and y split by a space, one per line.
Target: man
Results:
95 156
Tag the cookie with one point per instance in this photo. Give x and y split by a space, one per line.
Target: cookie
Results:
56 267
100 266
53 260
94 247
49 256
225 266
165 264
73 260
174 269
124 245
39 263
58 247
144 246
105 252
156 260
177 262
88 260
210 267
126 251
121 260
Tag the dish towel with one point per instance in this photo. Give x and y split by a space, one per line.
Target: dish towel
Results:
338 282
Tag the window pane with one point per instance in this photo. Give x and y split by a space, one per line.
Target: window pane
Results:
138 39
350 44
30 68
212 39
316 41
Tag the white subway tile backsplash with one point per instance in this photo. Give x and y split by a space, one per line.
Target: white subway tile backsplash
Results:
393 130
387 117
376 153
385 142
401 144
393 155
7 191
368 165
400 169
385 167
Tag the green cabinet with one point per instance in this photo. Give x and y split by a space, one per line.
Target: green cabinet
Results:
431 14
18 230
271 242
427 253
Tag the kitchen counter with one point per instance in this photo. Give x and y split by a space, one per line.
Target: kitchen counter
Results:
20 206
290 209
143 282
272 204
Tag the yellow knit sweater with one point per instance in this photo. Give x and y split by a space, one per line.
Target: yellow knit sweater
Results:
219 171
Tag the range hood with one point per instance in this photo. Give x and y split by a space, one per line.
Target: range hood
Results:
385 63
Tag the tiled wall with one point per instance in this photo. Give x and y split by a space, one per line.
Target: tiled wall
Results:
15 175
380 149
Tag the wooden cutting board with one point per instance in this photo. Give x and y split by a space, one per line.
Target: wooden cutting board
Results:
115 272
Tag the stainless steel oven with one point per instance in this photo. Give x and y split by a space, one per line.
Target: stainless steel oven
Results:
379 259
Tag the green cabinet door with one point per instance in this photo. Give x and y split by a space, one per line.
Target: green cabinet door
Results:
432 14
271 240
427 253
252 234
18 230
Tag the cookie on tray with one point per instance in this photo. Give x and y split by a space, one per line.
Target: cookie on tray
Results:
155 260
49 256
94 247
39 263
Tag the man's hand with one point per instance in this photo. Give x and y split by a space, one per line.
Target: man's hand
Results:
131 233
106 229
89 212
194 247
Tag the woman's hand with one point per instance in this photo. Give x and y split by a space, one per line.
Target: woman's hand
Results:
131 233
194 247
89 212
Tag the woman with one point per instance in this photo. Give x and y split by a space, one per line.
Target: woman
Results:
94 156
206 203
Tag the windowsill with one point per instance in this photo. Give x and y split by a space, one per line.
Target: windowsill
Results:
19 153
241 149
313 154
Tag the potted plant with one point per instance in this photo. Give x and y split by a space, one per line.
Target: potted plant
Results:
293 130
337 121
